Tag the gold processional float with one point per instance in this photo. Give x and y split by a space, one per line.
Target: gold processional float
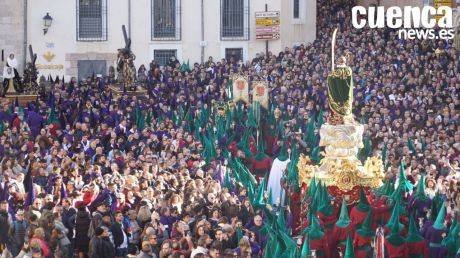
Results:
340 169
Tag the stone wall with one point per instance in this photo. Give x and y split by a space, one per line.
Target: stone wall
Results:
12 32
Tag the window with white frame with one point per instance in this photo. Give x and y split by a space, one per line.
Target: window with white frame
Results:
166 20
296 9
163 56
234 21
234 53
91 20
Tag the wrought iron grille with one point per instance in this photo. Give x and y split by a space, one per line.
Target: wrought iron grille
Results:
236 53
162 56
296 9
234 22
166 19
91 20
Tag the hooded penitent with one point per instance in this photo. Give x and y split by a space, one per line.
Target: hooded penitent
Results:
260 163
349 251
344 220
276 173
359 212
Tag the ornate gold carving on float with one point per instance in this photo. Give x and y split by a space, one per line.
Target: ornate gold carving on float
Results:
340 167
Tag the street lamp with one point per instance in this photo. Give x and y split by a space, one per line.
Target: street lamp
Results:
47 20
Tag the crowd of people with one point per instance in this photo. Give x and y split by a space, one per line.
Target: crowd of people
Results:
87 175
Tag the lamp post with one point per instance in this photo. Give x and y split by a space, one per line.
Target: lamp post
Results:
47 21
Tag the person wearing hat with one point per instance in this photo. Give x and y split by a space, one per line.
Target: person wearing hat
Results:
359 213
260 163
436 233
317 238
326 213
419 201
395 218
100 245
349 251
363 238
341 229
416 244
394 244
380 209
276 173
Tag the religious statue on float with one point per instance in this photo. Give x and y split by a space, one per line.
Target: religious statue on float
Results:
31 75
125 64
11 79
340 93
340 140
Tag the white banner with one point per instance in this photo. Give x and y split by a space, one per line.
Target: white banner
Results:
260 93
240 89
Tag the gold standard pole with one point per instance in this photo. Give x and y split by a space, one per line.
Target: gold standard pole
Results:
334 34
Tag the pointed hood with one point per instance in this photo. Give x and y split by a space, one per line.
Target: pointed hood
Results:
403 183
310 137
414 235
394 219
324 201
396 194
305 247
239 234
259 198
315 155
452 238
228 182
454 220
314 230
383 190
349 251
434 207
384 154
411 146
394 237
439 223
320 118
270 197
344 220
366 230
420 192
260 155
283 156
363 204
311 188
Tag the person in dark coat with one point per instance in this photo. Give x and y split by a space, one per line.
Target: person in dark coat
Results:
5 224
120 236
82 223
68 217
100 246
17 232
